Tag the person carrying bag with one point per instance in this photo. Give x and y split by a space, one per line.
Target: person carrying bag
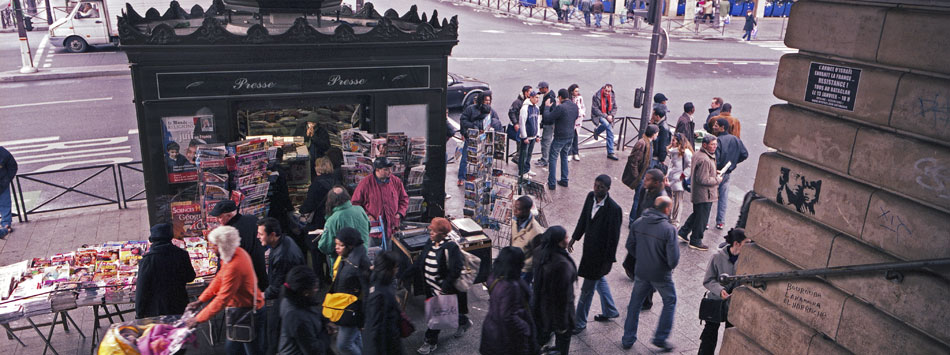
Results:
343 303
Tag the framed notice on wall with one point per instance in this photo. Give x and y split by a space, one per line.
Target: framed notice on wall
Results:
832 85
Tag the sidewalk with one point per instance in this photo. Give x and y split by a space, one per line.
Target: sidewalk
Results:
770 28
66 73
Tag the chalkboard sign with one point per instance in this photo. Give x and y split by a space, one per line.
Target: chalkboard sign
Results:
832 85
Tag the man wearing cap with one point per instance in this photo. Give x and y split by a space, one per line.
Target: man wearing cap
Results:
659 102
384 198
602 110
163 273
481 117
227 213
548 103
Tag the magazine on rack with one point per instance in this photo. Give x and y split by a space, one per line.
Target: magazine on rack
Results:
181 137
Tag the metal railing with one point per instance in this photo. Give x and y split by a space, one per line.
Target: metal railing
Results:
892 271
82 187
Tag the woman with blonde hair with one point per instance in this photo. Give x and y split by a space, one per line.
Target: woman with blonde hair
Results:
681 156
316 199
235 285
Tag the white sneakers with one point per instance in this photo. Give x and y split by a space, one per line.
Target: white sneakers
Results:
576 157
427 348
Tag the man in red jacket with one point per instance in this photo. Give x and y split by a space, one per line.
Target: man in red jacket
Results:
384 198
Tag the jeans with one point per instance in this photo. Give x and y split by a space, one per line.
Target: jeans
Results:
696 223
463 161
587 295
748 35
600 16
636 202
574 142
349 341
587 18
527 276
432 335
606 126
6 216
709 338
641 288
255 347
547 137
560 147
723 199
524 156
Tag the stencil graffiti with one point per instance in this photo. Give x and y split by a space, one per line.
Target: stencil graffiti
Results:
936 109
894 223
796 190
933 176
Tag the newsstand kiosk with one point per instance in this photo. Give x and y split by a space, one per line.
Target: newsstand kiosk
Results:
236 71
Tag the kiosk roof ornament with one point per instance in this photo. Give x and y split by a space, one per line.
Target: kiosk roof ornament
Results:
220 25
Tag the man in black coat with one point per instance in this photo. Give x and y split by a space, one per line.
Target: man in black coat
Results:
163 273
282 255
600 220
553 301
8 169
482 117
227 214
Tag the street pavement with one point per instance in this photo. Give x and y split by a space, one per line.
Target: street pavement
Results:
52 124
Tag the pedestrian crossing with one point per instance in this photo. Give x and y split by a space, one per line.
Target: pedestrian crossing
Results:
773 45
54 153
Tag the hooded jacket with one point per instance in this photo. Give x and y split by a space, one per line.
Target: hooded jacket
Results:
303 330
529 120
653 240
718 265
163 273
381 330
474 115
515 109
705 178
508 327
345 215
388 200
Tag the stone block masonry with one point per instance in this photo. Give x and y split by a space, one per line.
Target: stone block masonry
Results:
860 175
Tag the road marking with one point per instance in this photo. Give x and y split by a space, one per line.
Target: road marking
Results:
595 36
67 155
605 60
47 65
120 150
491 31
133 131
29 140
620 61
547 33
42 47
57 102
104 161
82 143
740 63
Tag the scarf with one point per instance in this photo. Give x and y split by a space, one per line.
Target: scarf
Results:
606 101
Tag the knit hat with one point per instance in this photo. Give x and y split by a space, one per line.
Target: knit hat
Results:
659 97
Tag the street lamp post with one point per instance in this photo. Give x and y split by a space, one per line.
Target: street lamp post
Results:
651 67
25 56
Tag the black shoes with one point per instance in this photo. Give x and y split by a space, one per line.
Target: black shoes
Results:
683 239
603 318
698 246
551 187
577 331
562 183
612 157
647 305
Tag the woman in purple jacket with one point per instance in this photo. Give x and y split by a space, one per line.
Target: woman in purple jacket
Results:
508 327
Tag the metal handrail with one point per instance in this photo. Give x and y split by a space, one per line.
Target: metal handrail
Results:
138 196
891 272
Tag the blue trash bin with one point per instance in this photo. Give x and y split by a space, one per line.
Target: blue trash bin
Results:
681 8
788 8
736 8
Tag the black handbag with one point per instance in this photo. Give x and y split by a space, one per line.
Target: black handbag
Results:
239 321
712 310
511 132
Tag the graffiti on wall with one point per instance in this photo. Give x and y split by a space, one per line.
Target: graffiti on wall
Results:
798 191
935 109
933 175
894 223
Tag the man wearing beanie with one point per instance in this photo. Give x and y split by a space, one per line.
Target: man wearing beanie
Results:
163 273
481 117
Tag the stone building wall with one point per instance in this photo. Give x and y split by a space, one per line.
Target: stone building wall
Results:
860 173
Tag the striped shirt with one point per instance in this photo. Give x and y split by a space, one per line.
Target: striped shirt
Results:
433 279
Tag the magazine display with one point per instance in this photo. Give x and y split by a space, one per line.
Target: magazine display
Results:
181 137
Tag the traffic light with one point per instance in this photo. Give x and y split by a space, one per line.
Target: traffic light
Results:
651 11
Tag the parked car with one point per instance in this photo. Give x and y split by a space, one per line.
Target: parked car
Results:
462 90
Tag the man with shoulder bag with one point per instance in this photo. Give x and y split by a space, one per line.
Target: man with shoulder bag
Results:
715 305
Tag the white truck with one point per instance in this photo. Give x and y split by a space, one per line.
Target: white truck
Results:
94 22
